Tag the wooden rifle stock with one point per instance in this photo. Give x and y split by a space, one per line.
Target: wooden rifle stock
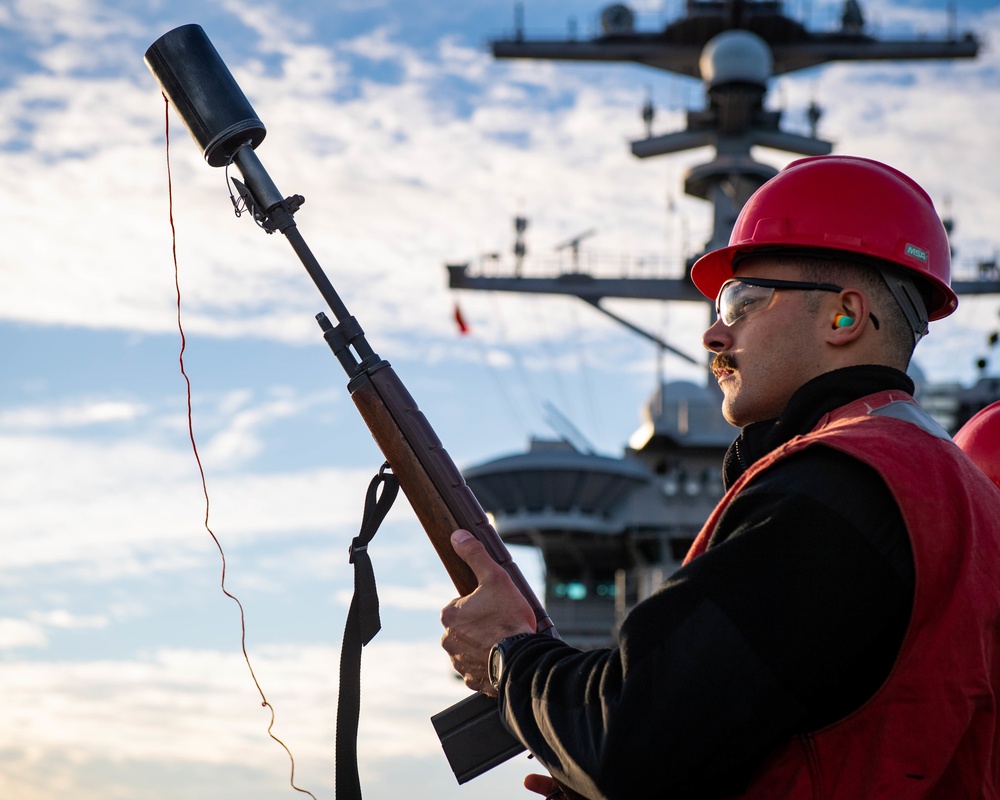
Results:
432 483
472 735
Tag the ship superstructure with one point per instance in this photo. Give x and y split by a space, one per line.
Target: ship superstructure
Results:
610 530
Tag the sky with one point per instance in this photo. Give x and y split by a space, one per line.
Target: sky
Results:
121 670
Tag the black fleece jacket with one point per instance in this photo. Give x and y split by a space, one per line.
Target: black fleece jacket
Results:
789 621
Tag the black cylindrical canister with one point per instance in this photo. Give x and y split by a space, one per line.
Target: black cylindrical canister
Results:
204 93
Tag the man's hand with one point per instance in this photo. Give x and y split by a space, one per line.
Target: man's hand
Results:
544 785
476 622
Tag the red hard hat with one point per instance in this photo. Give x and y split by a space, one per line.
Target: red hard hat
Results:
841 203
980 439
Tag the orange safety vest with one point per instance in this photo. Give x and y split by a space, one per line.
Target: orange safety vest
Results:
932 731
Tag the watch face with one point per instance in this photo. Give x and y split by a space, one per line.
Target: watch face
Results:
495 666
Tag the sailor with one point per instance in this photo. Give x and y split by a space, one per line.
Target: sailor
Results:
980 439
835 630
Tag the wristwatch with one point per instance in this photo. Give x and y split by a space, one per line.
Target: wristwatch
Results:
495 662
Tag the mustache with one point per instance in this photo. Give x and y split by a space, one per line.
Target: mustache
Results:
723 362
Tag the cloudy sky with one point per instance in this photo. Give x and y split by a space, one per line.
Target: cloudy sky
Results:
121 671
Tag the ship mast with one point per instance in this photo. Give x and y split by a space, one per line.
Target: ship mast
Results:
735 47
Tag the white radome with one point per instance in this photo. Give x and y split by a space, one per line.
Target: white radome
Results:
735 56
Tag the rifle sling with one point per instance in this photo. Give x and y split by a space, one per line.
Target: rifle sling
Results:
362 624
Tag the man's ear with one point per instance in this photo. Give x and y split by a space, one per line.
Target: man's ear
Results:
848 317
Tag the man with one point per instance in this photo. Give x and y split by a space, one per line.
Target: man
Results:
835 630
980 439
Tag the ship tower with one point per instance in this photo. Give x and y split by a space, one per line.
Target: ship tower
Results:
610 530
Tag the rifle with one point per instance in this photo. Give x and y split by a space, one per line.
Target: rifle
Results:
223 124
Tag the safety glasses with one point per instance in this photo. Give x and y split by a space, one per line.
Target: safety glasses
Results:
741 296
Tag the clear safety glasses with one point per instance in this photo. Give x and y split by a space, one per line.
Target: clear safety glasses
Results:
741 296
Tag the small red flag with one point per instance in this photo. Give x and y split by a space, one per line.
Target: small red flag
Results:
460 321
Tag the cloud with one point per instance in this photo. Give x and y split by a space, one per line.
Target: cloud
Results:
70 416
403 174
62 618
243 419
78 501
16 633
31 632
406 182
431 597
201 707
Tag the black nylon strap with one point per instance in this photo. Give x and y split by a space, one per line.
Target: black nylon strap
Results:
362 624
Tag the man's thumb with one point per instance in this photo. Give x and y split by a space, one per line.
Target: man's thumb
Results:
472 552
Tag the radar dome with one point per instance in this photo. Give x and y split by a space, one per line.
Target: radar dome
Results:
735 56
617 19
